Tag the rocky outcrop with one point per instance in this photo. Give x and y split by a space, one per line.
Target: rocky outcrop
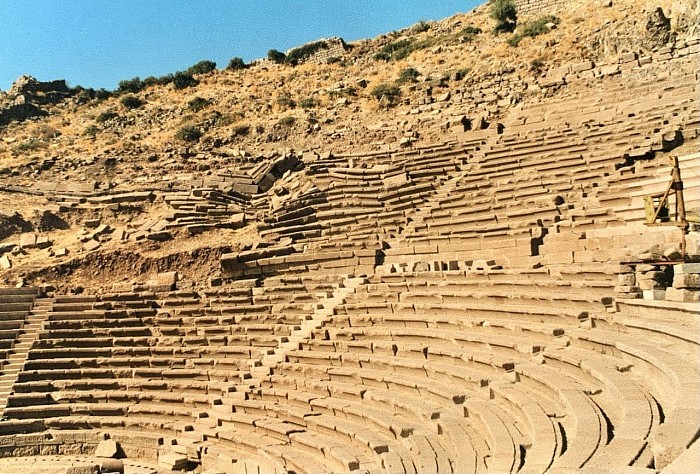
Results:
27 96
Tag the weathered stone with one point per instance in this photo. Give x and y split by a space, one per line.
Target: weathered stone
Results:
84 469
172 461
686 268
5 262
682 295
107 449
687 280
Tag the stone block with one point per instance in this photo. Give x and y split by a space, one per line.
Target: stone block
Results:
172 461
656 295
649 285
91 245
682 295
107 449
84 469
686 268
27 240
687 280
5 262
626 279
582 66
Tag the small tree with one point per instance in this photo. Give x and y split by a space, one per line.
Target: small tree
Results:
188 133
276 56
407 76
202 67
182 80
133 86
387 93
235 64
131 102
505 14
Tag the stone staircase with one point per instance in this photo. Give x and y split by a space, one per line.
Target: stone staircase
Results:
315 320
20 350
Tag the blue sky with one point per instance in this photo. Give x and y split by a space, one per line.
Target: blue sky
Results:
97 43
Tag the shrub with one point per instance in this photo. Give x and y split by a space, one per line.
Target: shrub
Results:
198 103
106 116
386 92
539 26
420 27
202 67
240 131
236 64
182 80
188 133
309 103
301 53
33 144
286 121
131 102
408 75
133 86
91 131
505 14
469 32
158 81
350 91
533 28
333 60
395 51
276 56
285 101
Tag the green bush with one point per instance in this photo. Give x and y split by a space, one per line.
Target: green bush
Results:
202 67
91 131
505 14
408 75
388 92
333 60
533 28
158 81
469 32
286 121
182 80
188 133
240 130
285 101
394 51
133 86
198 103
301 53
106 116
308 103
420 27
131 102
236 64
276 56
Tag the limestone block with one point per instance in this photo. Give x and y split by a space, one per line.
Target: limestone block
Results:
107 449
686 268
682 295
649 285
687 280
626 279
172 461
5 262
27 240
91 245
84 469
656 295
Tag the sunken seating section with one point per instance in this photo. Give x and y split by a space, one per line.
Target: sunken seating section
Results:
452 371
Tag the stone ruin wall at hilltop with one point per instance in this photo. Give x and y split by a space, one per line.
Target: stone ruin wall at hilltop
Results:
532 7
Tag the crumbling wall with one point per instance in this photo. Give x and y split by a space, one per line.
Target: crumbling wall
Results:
534 7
